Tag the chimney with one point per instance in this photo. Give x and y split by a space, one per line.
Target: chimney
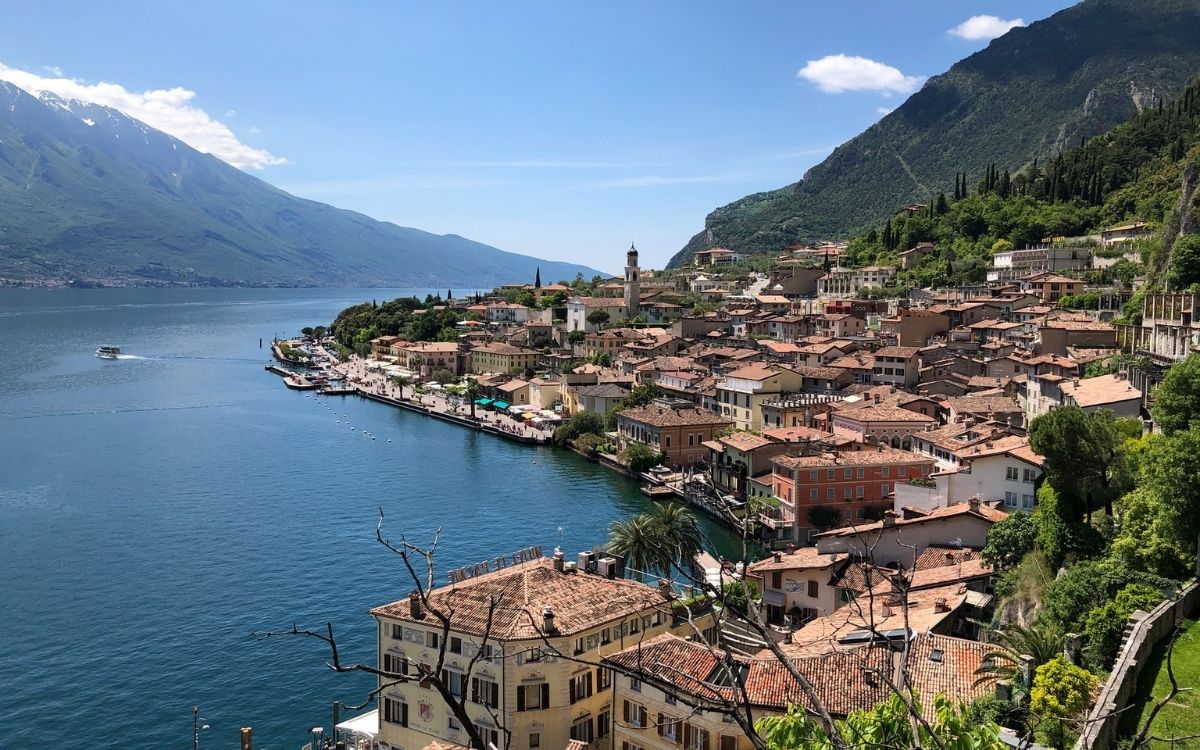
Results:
877 398
558 560
1026 667
973 504
547 620
889 518
414 605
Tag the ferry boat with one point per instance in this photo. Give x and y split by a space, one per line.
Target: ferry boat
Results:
108 352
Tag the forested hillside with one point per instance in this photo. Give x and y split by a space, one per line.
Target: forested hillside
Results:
1032 92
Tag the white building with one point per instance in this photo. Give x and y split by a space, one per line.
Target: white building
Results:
849 282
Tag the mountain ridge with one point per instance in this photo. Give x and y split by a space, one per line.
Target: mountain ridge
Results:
90 193
1030 92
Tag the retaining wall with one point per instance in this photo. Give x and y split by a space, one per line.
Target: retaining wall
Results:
1100 732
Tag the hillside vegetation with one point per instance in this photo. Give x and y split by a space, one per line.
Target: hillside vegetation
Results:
1144 169
1032 92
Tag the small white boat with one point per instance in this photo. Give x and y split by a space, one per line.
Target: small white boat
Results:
108 352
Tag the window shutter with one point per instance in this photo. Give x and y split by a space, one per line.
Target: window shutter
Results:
662 721
571 697
589 684
474 689
546 695
520 697
687 735
625 712
703 739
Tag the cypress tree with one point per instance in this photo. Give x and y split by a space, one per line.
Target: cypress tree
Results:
941 207
537 278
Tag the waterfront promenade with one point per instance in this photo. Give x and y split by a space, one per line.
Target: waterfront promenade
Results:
375 385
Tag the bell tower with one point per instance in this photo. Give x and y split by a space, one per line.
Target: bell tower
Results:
632 295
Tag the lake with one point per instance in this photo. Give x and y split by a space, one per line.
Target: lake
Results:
158 509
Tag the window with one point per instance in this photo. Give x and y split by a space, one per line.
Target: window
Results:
455 645
581 686
812 589
695 738
633 714
1029 476
635 684
885 489
426 672
604 678
668 439
603 724
431 639
582 729
1010 473
813 475
395 711
397 631
860 472
668 728
452 724
846 492
858 491
728 742
605 637
670 700
831 493
847 473
634 626
886 473
395 664
831 474
1027 501
488 734
533 697
579 646
691 439
812 494
777 580
535 739
1010 499
485 692
456 681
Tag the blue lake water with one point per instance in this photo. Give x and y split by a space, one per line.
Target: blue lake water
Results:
157 509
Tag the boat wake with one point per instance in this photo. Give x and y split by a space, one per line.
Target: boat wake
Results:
129 356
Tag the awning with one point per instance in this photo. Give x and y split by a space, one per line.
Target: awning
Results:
365 725
775 598
501 405
483 401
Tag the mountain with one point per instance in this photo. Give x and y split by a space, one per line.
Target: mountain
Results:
89 193
1029 93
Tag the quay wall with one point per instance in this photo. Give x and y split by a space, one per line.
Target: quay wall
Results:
1100 731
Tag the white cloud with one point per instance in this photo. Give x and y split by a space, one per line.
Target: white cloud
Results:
984 27
53 70
254 130
168 110
835 74
884 111
230 113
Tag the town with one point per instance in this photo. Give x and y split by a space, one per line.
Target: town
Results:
864 443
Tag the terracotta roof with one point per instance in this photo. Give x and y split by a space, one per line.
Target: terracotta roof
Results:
850 459
901 352
756 371
984 511
802 558
947 574
580 601
975 404
938 557
872 412
661 416
502 349
745 441
1106 389
605 390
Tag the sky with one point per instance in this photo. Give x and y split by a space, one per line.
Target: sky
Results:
561 130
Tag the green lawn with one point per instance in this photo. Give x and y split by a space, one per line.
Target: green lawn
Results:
1181 717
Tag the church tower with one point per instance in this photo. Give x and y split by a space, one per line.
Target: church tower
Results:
632 295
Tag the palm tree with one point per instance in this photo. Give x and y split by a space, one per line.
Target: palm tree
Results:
637 540
474 391
679 535
1003 662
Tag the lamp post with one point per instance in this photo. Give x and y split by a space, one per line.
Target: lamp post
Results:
197 726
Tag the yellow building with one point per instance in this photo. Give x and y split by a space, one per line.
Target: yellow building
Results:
544 691
741 393
502 358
